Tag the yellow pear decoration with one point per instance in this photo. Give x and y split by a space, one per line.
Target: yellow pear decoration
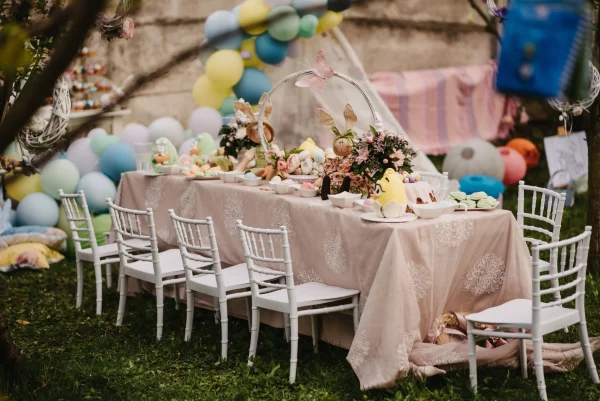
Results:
391 195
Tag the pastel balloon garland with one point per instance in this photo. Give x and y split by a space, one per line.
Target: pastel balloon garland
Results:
258 33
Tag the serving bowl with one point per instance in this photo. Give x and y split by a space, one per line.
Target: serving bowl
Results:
252 182
282 189
306 193
434 210
301 179
344 200
230 177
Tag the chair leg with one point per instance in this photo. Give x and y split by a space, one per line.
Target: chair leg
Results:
254 334
123 296
79 298
189 321
286 325
587 351
294 350
249 314
98 274
159 311
355 313
225 328
539 366
108 275
314 321
218 312
176 295
472 357
523 356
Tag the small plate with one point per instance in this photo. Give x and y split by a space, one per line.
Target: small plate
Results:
485 209
408 217
205 178
152 174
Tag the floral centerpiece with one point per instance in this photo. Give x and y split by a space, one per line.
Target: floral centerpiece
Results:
296 162
376 151
233 135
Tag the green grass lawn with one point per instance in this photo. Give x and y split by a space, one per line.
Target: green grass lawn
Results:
70 354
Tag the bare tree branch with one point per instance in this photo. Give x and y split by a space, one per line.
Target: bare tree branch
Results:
32 95
489 25
54 21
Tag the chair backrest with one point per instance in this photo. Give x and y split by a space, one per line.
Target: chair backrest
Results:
192 243
569 281
259 247
80 220
130 224
548 210
438 181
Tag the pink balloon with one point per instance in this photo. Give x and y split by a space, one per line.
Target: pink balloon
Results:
295 49
206 119
515 166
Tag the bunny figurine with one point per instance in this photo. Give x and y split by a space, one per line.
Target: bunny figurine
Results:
261 168
344 141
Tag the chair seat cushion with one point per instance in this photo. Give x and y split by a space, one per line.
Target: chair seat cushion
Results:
170 265
517 313
308 294
111 250
234 278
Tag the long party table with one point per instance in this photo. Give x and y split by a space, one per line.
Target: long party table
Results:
409 274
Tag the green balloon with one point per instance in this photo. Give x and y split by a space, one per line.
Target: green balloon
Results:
228 106
188 135
100 142
63 223
308 26
102 224
284 23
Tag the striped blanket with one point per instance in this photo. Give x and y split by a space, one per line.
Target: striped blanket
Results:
442 108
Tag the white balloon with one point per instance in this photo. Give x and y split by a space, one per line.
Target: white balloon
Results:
81 154
206 119
169 128
97 131
135 133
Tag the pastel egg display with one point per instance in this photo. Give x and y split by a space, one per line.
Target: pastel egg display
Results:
284 23
475 156
37 209
135 133
19 186
515 166
527 149
167 127
164 153
187 146
205 144
480 183
81 154
59 174
97 187
270 50
118 158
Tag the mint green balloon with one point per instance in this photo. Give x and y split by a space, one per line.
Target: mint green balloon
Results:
59 174
101 141
308 26
284 23
228 106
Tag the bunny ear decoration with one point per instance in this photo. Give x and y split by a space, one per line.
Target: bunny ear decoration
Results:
268 109
326 119
245 108
350 117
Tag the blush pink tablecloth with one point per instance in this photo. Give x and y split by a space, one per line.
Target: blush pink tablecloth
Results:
408 274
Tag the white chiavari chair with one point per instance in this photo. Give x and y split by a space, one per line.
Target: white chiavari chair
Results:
309 299
82 231
221 284
532 319
158 268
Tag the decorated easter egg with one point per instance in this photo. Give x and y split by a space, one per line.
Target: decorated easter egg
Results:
163 154
391 195
310 146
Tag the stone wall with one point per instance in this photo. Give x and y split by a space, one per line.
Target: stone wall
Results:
388 35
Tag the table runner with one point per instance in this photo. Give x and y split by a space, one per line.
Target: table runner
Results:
408 274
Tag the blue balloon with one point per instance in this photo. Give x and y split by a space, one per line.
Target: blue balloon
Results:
223 23
475 183
271 51
315 7
37 209
252 85
116 159
97 187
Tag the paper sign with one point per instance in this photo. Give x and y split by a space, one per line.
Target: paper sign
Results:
568 154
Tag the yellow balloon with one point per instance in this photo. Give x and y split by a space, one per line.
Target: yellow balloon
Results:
328 21
206 94
253 16
249 46
19 186
225 68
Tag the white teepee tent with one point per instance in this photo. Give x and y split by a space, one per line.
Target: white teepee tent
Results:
294 109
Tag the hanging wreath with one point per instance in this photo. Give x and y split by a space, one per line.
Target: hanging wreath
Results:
570 110
49 124
120 25
498 12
